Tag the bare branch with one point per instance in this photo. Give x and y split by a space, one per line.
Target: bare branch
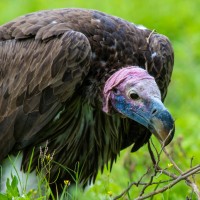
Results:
189 182
138 184
174 178
171 160
133 183
180 178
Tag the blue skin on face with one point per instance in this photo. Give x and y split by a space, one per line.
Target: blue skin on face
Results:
127 109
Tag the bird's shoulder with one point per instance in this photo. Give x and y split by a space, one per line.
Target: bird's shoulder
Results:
48 23
39 25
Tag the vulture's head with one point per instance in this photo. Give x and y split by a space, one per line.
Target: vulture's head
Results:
132 92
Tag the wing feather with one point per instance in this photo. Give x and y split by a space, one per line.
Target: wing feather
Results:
37 76
38 65
41 25
162 55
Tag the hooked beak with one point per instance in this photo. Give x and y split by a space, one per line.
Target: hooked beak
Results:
161 124
158 120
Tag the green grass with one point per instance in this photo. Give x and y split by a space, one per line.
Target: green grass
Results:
180 21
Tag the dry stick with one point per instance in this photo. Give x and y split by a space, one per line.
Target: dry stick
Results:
155 163
183 176
172 161
193 176
180 178
175 178
149 183
133 183
188 182
138 184
155 171
156 167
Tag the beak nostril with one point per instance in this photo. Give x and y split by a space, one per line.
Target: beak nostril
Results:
154 111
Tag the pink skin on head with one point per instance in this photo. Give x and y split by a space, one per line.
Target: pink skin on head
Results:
135 73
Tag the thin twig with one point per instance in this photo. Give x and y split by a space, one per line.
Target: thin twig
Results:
174 178
172 161
133 183
149 183
189 182
159 169
180 178
138 184
191 162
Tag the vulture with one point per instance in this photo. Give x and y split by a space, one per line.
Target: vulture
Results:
77 86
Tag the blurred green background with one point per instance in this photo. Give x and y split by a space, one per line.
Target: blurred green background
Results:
180 21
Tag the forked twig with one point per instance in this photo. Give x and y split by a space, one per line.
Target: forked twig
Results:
174 182
174 177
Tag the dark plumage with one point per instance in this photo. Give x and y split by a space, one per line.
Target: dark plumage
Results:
53 68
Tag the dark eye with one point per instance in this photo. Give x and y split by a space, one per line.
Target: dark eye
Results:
134 96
